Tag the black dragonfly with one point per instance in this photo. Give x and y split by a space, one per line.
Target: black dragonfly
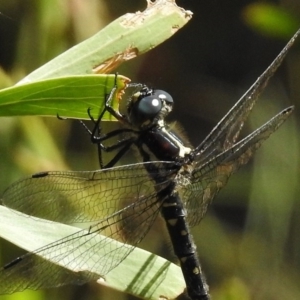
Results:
174 179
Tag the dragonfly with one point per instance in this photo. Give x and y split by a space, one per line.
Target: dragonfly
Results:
173 180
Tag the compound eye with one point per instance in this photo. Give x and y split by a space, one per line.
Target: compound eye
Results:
163 96
149 106
143 111
145 107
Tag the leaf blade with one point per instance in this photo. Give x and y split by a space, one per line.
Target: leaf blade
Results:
142 274
121 40
69 97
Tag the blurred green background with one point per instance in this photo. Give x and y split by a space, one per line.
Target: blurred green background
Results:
249 242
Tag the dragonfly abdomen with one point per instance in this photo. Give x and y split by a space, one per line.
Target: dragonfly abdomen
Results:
173 212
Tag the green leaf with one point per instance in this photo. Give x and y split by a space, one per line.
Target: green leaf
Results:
141 274
65 96
125 38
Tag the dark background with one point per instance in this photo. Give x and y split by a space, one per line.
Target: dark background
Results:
249 242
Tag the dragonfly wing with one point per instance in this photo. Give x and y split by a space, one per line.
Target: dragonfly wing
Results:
122 202
226 132
74 197
86 254
208 179
35 272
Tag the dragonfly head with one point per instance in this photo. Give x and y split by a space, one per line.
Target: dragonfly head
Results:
148 106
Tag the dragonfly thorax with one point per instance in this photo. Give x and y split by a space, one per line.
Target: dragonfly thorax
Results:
147 107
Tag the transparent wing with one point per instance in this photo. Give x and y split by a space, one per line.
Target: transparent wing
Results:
209 178
76 252
226 132
74 197
34 272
